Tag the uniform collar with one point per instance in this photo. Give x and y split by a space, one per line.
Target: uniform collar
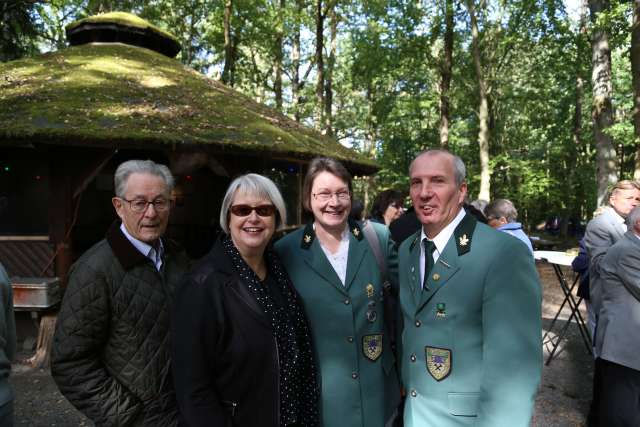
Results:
309 234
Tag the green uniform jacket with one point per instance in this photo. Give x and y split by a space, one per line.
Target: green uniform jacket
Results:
471 351
359 386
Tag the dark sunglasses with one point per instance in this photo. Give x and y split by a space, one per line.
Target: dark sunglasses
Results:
245 210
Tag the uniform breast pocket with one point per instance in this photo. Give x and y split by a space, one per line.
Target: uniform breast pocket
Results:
463 404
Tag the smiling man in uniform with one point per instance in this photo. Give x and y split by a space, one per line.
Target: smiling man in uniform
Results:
471 304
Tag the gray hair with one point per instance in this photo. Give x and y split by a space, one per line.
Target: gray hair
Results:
501 208
459 169
254 185
634 217
126 169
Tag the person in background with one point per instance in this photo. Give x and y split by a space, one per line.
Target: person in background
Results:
7 348
110 355
471 350
387 207
617 338
357 210
479 205
502 215
603 231
242 352
335 271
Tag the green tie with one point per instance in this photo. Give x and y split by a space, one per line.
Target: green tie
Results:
429 249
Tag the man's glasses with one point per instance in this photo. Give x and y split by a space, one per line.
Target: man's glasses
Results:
325 196
141 205
245 210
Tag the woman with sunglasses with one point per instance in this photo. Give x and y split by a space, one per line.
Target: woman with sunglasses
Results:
334 269
241 345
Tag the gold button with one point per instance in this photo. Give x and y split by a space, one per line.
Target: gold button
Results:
436 277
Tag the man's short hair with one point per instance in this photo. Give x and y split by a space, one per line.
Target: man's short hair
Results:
501 208
633 217
126 169
317 166
254 185
459 169
625 184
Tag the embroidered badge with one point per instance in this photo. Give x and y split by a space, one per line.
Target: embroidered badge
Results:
372 346
370 291
307 238
438 362
441 310
464 240
355 231
371 315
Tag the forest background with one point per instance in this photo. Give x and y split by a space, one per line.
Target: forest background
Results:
541 99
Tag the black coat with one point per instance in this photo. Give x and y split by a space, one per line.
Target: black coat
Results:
110 355
225 359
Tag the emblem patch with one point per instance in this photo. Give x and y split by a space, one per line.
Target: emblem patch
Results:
370 290
464 240
438 362
307 238
372 346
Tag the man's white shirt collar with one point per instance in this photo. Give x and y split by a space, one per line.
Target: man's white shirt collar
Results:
145 249
440 240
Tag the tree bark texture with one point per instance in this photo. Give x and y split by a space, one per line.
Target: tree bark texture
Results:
279 54
229 46
295 59
445 75
483 113
331 62
319 119
635 73
602 109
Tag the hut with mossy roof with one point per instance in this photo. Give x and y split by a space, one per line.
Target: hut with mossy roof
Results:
68 118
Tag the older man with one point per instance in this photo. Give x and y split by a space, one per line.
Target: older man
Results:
502 215
617 338
605 229
471 301
111 346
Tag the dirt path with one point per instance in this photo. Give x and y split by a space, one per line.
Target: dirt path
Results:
562 401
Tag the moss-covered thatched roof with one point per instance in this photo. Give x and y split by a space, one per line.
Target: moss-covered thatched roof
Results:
122 27
123 96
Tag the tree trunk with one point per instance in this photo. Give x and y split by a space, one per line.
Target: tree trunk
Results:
483 114
602 113
328 94
319 119
445 73
295 59
277 67
229 46
635 73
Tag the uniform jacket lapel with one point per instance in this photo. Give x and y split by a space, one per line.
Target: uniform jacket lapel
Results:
315 258
358 247
448 263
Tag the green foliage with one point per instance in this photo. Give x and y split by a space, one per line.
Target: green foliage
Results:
387 75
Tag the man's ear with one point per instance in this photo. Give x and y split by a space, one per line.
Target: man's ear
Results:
118 206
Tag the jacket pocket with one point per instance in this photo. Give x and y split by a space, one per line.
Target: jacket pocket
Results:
463 404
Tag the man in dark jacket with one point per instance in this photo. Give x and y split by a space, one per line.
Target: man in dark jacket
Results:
110 355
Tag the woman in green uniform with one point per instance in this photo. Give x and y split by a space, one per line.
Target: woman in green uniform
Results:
334 269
